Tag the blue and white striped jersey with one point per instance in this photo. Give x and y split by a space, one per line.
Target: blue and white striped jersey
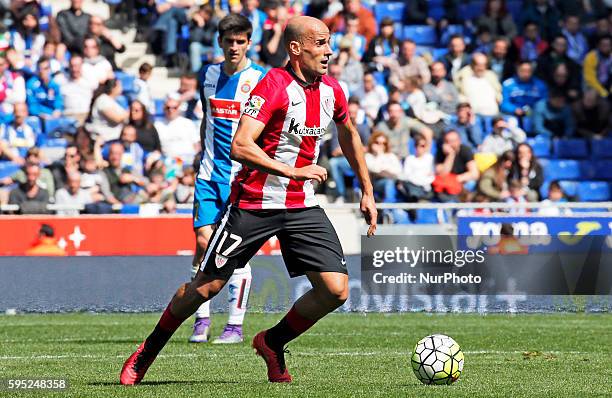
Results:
223 99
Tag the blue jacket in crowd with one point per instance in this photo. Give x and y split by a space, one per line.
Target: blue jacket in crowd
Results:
519 94
41 99
553 122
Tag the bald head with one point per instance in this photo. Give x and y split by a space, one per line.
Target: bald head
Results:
302 27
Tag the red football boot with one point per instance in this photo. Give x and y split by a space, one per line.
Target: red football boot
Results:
135 367
275 360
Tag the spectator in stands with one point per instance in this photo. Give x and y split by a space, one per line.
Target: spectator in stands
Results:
418 173
456 58
555 195
350 38
45 180
441 91
545 15
72 195
602 28
17 136
592 115
77 91
95 68
409 64
398 129
497 19
597 66
373 95
383 50
521 92
43 93
109 45
61 168
178 135
504 137
577 43
529 46
31 198
106 115
516 195
73 24
384 167
12 87
189 96
91 177
483 42
560 80
273 50
367 22
528 171
499 61
119 181
468 125
494 181
202 29
554 55
417 13
479 86
26 37
352 70
455 166
413 96
19 7
185 189
250 9
171 16
142 88
146 134
338 165
133 154
55 57
158 191
586 10
553 117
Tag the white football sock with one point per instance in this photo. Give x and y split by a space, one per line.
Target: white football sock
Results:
238 288
203 311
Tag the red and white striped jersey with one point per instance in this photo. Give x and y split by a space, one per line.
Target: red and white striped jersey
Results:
296 115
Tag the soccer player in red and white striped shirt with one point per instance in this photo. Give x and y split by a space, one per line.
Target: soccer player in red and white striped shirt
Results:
277 142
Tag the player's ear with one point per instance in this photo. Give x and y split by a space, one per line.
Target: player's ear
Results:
295 47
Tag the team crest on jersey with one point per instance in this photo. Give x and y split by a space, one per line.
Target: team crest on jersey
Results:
220 260
246 87
328 106
254 105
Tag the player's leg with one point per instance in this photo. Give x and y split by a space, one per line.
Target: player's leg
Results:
310 246
238 288
201 326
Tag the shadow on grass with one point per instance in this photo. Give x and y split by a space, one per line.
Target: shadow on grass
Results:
164 382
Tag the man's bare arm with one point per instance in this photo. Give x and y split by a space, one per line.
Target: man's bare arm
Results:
246 151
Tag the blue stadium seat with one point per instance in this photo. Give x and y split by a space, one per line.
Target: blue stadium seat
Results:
421 34
571 148
393 10
594 191
562 169
515 7
398 30
436 12
55 143
127 81
130 208
603 170
540 145
159 106
438 53
430 216
449 31
7 169
123 101
56 127
601 149
184 211
471 10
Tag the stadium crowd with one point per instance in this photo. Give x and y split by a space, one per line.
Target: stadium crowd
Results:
454 100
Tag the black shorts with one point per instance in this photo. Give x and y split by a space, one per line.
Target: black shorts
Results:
307 239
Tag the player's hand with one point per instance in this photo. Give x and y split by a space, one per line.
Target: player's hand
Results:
311 172
368 209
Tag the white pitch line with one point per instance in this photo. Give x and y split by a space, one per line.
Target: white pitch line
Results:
306 354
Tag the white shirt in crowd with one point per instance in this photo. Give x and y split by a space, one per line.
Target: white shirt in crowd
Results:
386 162
178 138
143 94
373 100
97 69
63 197
77 95
481 96
99 124
419 170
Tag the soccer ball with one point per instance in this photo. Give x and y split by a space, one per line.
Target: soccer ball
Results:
437 359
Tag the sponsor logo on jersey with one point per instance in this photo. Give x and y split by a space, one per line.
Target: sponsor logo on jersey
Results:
220 260
296 129
225 109
246 87
253 105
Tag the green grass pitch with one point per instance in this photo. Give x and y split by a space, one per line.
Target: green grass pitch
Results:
345 355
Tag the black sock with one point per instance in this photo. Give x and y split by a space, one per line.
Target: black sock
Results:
278 336
157 340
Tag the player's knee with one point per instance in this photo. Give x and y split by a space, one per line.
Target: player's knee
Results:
202 240
210 289
337 292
